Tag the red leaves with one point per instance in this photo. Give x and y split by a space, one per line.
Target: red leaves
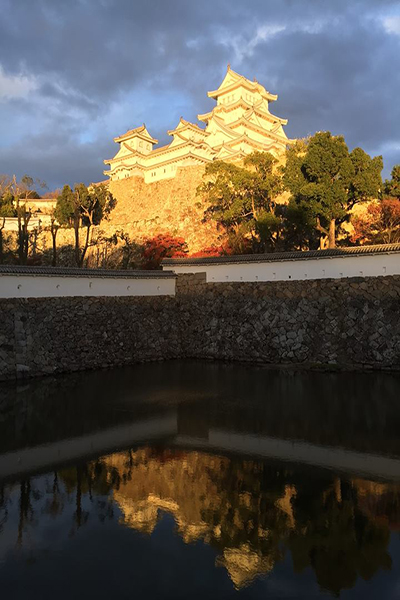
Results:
163 245
211 251
380 224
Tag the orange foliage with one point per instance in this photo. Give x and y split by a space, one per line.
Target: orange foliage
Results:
163 245
211 251
235 245
380 224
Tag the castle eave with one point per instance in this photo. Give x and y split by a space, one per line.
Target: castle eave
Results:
245 83
138 132
256 129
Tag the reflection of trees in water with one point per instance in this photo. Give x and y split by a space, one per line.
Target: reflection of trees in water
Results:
92 481
335 538
4 504
54 501
252 517
251 512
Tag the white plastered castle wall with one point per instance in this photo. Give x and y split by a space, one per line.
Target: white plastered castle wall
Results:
53 286
368 265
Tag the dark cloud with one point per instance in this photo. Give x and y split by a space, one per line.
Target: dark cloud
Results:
96 67
57 162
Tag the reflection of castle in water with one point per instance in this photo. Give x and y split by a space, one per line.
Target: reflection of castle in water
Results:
260 466
253 513
190 486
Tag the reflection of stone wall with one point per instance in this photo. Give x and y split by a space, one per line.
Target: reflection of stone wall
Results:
347 323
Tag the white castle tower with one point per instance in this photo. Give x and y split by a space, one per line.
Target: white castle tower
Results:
239 124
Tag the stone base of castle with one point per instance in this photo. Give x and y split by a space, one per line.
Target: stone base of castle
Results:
167 206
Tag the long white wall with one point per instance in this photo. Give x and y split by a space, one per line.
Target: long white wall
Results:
42 457
11 223
364 265
48 286
348 461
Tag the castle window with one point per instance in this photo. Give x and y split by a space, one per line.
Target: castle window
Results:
141 144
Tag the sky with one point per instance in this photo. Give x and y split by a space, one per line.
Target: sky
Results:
76 73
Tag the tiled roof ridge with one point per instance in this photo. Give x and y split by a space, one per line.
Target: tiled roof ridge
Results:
279 256
89 273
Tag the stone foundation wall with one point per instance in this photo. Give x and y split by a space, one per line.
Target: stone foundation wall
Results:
347 323
168 206
350 323
49 335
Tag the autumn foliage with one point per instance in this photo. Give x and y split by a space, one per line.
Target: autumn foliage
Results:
211 251
163 245
235 244
380 224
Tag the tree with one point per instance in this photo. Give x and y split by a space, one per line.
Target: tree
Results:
22 191
163 245
13 190
54 227
23 216
298 228
83 207
132 251
25 190
380 224
392 186
241 199
52 194
326 180
19 192
6 210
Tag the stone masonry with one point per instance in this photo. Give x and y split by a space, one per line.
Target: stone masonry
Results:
167 206
346 323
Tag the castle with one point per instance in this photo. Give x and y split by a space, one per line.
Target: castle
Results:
239 124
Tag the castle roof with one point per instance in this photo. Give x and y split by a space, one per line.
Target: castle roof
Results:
249 108
183 124
233 80
140 132
255 127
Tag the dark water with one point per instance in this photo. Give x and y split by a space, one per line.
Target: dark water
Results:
200 480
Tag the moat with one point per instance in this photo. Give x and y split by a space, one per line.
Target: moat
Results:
190 479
